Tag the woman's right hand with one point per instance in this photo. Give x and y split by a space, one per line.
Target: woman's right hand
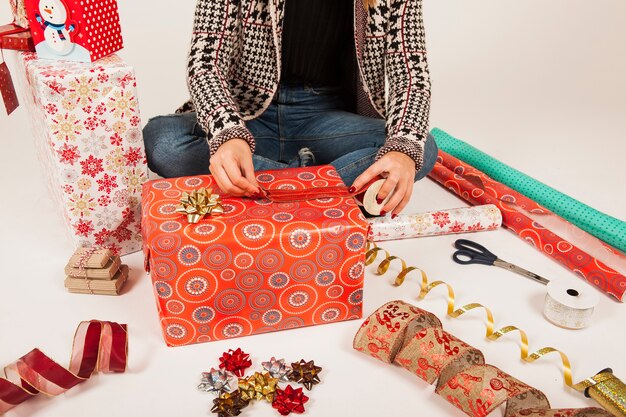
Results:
231 166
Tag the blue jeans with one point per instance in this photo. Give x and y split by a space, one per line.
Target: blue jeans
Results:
299 117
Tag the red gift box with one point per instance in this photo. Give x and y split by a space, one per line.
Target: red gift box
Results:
16 38
260 266
74 30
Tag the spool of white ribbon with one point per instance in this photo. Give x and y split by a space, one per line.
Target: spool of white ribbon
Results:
369 199
569 305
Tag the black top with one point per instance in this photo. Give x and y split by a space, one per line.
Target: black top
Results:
318 43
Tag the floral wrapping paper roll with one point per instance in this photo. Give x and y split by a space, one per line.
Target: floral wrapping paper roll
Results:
87 131
443 222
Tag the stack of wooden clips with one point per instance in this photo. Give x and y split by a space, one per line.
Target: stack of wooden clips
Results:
95 271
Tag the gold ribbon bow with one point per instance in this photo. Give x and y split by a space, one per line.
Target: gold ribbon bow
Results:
199 203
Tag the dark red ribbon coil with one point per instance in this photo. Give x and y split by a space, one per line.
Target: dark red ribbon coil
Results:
99 346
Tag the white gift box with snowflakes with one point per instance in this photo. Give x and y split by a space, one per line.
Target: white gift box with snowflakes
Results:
87 131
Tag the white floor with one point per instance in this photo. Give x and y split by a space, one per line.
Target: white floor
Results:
539 86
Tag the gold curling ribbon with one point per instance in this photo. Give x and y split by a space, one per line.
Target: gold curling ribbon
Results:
607 391
199 203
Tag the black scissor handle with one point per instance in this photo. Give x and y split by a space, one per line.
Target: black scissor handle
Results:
472 253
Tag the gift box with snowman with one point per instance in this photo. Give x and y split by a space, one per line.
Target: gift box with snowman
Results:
74 30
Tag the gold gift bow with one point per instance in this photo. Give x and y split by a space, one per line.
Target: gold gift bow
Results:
605 388
198 203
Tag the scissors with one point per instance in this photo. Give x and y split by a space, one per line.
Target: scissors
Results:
469 252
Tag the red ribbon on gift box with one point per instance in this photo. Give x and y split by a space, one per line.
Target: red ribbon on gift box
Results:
278 195
98 346
15 37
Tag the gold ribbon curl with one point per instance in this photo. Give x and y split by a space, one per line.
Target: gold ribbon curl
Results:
199 203
372 253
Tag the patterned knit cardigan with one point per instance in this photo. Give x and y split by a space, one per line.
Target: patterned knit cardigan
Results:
234 68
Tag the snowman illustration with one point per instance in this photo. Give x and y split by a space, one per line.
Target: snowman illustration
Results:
53 18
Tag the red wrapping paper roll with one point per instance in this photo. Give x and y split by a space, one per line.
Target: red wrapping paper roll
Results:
477 188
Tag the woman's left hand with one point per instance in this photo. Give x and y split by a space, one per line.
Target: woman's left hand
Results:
398 170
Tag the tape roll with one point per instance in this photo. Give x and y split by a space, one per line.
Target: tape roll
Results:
569 305
369 198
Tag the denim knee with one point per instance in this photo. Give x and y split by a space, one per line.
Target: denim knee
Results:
152 135
151 132
429 159
172 149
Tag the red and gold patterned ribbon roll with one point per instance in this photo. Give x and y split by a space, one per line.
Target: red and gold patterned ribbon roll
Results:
413 338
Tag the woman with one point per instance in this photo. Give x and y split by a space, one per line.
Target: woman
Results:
285 83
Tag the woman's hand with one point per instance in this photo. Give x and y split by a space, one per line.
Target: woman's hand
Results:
398 170
232 168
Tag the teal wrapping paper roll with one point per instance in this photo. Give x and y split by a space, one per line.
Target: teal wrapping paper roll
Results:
601 225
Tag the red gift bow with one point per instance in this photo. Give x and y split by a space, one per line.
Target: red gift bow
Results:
477 188
235 361
98 346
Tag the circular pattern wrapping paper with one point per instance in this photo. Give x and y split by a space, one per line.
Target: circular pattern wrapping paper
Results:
261 266
477 188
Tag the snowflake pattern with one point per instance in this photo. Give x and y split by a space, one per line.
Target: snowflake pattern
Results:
83 227
107 183
134 135
441 218
133 156
460 220
119 128
457 227
83 90
91 166
121 197
54 72
90 118
106 217
68 154
115 161
133 180
82 204
121 104
116 140
93 144
83 184
66 127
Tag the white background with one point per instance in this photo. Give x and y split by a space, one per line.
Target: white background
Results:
539 85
